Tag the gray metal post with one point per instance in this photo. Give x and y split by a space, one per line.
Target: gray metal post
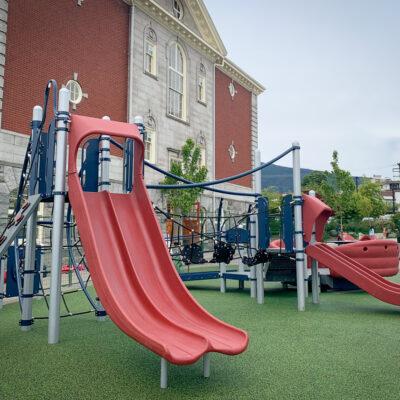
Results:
222 266
298 227
315 279
58 217
31 231
164 373
206 365
259 267
2 286
253 284
105 160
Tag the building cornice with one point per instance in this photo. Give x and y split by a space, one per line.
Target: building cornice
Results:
237 74
155 11
158 13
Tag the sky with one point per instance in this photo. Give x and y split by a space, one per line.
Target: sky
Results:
331 69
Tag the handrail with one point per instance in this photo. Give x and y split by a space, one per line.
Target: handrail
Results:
227 179
179 178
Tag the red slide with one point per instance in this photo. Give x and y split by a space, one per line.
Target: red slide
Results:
131 268
356 273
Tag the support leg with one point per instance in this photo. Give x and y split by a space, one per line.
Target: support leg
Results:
260 283
315 282
222 269
29 273
58 219
2 286
206 365
253 285
164 374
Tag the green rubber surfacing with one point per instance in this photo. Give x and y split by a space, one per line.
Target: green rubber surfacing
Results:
348 347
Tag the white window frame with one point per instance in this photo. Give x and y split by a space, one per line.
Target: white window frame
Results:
176 99
150 42
151 140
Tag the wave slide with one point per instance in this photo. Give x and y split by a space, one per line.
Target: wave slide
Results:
353 271
130 265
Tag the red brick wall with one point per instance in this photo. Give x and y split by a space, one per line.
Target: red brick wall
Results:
232 123
53 39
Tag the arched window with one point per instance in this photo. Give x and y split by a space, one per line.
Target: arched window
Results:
176 81
150 51
150 140
201 84
177 9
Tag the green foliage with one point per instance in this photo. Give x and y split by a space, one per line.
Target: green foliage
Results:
338 190
396 221
314 180
274 199
189 168
369 198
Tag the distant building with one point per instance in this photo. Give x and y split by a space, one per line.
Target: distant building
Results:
390 191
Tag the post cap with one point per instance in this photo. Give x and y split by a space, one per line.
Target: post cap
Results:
37 113
138 120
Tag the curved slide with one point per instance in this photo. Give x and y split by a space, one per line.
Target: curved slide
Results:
131 268
353 271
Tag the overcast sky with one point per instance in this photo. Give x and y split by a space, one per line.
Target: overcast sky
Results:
332 73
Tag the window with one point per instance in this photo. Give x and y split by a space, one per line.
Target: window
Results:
177 9
176 82
150 140
201 84
173 156
150 52
76 91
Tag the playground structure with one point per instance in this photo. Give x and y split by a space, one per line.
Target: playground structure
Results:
127 255
127 278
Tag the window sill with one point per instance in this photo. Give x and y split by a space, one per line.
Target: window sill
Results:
203 103
182 121
149 74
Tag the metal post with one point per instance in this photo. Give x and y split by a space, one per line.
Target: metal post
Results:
164 374
31 231
206 365
222 266
298 227
259 267
315 279
105 160
2 286
58 216
253 245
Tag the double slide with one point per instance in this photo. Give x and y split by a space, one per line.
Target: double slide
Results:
130 265
353 271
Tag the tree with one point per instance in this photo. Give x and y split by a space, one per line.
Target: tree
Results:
370 202
314 180
189 168
274 199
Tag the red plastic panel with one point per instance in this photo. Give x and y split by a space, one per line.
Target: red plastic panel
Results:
314 212
356 273
131 268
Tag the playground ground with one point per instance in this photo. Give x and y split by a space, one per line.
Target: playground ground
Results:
348 347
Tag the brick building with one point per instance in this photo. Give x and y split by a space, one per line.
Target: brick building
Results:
162 59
